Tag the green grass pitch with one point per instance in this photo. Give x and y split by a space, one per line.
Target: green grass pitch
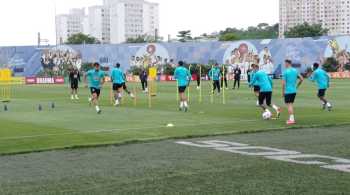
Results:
75 124
156 164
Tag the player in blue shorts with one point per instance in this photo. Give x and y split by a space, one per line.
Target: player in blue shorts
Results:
322 80
265 96
183 78
290 78
95 79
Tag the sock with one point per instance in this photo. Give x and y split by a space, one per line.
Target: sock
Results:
275 107
291 117
185 104
181 104
329 104
267 110
97 108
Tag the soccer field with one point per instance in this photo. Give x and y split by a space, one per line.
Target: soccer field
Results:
74 124
166 167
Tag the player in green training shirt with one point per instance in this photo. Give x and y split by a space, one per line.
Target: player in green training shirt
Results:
95 79
322 80
183 77
215 75
118 80
262 79
290 77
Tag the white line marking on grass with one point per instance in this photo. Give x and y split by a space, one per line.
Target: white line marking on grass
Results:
290 156
116 130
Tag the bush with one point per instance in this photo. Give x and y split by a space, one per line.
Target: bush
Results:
330 65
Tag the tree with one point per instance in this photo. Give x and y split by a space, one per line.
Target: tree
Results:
184 36
306 30
141 39
228 37
81 38
261 31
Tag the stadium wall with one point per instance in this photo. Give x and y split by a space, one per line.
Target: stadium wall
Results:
31 60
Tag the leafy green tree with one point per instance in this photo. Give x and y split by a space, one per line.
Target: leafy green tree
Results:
81 38
228 37
306 30
184 36
141 39
261 31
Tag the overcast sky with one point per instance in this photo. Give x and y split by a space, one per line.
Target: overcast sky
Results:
21 20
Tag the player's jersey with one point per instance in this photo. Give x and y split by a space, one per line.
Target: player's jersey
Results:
321 78
290 77
74 76
117 76
263 81
94 78
182 75
215 74
255 83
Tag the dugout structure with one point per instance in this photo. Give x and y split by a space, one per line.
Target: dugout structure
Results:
5 85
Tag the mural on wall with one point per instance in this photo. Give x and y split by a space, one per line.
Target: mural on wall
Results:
338 48
150 55
59 59
241 54
269 54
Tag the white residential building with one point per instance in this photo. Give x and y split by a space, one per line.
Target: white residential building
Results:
331 14
69 24
113 22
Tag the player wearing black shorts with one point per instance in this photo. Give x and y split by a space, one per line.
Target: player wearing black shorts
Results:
74 79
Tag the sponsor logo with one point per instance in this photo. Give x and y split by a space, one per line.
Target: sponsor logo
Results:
290 156
44 80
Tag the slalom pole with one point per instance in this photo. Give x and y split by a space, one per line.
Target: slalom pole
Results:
200 84
189 86
223 87
135 94
177 91
212 86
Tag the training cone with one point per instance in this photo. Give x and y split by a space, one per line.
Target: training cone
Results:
170 125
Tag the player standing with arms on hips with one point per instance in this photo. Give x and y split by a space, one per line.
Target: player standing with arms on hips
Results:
183 78
290 77
95 79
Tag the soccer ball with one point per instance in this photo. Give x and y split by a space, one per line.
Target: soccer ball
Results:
267 115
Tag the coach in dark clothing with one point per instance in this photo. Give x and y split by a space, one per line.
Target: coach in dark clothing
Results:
237 76
143 79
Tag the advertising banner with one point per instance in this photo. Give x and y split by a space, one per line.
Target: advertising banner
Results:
44 80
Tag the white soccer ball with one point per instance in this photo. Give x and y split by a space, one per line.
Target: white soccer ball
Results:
267 115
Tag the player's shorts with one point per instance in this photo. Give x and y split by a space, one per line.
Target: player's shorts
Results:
256 88
289 98
95 91
321 92
182 89
117 86
74 85
265 97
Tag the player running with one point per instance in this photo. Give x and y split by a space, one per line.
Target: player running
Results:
215 75
265 96
74 79
96 79
183 78
322 79
118 80
255 85
290 77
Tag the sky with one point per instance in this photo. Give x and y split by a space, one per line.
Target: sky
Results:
21 20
